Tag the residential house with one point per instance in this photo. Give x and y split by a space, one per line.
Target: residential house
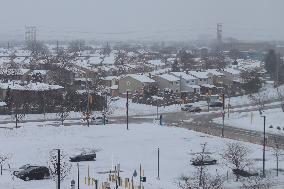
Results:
189 84
14 74
167 81
202 77
218 77
135 83
231 75
110 80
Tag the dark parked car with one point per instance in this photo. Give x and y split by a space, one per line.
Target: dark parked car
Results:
216 104
205 161
194 109
33 173
186 107
22 168
83 157
244 173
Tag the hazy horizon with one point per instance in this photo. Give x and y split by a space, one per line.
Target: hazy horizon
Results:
172 20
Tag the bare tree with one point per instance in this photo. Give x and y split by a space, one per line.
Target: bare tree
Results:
65 166
280 93
201 179
236 156
256 182
210 181
3 159
259 99
277 152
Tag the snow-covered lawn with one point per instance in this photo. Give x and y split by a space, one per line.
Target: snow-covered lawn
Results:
267 91
32 143
135 109
254 121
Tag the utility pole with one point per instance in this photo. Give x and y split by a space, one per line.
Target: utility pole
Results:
223 114
57 47
127 110
58 168
140 176
78 176
158 163
264 141
180 87
157 110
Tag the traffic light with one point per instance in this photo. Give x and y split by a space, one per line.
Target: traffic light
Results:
143 179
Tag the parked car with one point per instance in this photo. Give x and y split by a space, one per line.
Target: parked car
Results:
114 98
33 173
186 107
99 120
216 104
194 109
83 157
205 161
244 173
22 168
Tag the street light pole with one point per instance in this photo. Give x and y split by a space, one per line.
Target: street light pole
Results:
223 114
264 140
78 176
58 168
127 109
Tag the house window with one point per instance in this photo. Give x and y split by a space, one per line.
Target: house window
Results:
187 81
200 79
128 83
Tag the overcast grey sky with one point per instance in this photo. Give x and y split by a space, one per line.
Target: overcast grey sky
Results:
143 19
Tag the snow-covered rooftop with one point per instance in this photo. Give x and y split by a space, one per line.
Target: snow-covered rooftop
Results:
232 71
215 72
199 74
169 77
42 72
30 86
156 62
142 78
183 75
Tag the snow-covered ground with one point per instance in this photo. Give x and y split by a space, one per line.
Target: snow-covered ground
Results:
32 143
268 91
119 108
254 121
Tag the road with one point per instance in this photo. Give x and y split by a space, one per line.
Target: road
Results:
194 121
203 123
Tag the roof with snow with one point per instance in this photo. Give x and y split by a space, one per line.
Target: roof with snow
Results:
169 77
30 86
109 78
156 62
232 71
208 86
183 75
215 72
14 71
142 78
2 104
42 72
199 74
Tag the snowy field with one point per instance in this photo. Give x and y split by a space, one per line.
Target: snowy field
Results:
254 121
135 109
33 141
268 91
